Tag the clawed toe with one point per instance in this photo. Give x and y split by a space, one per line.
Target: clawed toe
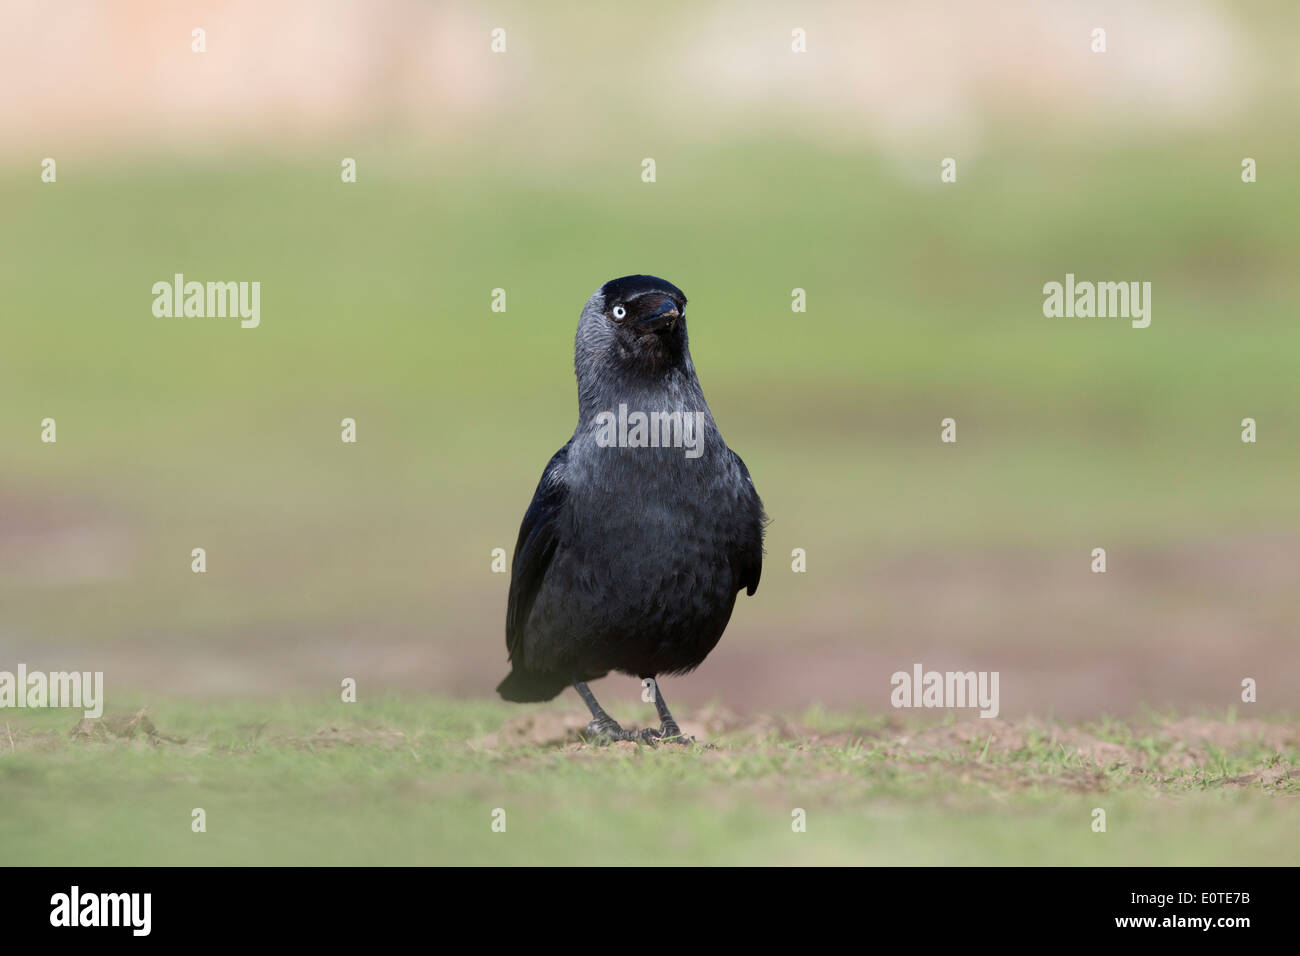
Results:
607 732
673 735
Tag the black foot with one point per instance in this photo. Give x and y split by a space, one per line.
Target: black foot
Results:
605 729
608 731
670 733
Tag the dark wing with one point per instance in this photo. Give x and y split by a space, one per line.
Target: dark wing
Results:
748 557
534 550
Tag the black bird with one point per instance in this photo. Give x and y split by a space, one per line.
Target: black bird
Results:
639 536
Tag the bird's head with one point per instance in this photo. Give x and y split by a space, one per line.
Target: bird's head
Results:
636 324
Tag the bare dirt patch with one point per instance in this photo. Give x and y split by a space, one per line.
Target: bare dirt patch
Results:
1000 754
551 728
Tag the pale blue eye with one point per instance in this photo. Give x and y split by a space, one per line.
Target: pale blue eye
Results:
619 312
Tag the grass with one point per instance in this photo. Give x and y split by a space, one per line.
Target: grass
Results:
417 781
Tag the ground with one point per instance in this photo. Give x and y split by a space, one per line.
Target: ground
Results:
408 780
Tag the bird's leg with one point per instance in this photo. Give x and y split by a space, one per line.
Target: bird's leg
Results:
604 726
668 729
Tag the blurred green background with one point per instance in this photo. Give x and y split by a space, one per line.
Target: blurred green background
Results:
775 170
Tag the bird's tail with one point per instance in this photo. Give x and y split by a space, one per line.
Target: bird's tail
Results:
529 687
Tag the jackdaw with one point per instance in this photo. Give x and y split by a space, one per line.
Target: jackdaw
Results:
645 525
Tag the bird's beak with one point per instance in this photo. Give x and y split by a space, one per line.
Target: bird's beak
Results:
662 317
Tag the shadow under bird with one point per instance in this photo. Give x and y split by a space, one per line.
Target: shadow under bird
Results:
645 525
